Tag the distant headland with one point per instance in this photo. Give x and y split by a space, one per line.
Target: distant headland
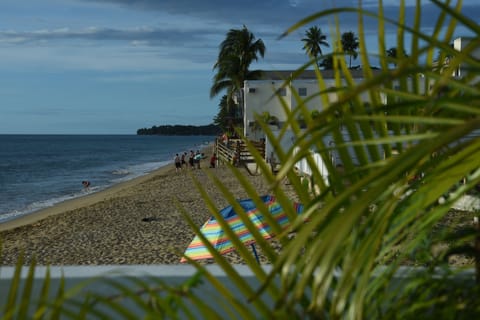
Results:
181 130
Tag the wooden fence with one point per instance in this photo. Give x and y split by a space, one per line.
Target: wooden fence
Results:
235 151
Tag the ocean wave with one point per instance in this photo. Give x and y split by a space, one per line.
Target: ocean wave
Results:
43 204
139 170
36 206
120 172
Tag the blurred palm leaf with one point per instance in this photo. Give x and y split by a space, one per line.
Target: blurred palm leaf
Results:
371 211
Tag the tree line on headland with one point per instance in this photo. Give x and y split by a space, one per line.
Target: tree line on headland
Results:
181 130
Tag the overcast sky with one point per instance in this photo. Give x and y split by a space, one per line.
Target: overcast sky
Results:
114 66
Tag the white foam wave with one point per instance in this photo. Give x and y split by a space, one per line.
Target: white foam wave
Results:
138 170
35 206
120 172
40 205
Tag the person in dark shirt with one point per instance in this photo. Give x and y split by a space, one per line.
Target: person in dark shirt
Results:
86 184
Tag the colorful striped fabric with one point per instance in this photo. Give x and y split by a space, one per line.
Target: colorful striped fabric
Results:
217 237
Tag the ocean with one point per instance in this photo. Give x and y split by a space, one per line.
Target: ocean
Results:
39 171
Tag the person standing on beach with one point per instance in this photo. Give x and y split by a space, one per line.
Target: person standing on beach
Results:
225 139
190 160
184 155
178 163
197 158
213 161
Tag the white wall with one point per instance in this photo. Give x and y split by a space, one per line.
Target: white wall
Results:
86 280
259 97
304 167
460 44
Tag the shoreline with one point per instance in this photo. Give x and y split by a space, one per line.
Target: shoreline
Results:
138 221
79 202
88 199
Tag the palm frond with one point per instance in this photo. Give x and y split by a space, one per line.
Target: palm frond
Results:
371 209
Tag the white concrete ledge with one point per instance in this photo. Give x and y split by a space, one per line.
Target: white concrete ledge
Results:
75 276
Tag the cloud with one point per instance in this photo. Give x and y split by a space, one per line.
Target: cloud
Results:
269 19
145 35
279 15
99 48
187 33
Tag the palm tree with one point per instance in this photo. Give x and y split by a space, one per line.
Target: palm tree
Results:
326 63
350 45
393 54
314 39
223 115
237 52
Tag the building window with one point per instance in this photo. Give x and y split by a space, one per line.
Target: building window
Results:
282 92
302 92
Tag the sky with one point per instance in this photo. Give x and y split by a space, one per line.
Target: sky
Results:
115 66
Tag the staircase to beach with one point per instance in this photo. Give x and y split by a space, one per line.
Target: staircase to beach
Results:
236 151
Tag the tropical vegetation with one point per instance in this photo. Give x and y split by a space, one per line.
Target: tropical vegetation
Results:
313 41
350 45
326 63
224 114
395 55
181 130
344 257
237 52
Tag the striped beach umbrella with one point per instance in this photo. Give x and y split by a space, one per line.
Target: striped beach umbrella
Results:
214 233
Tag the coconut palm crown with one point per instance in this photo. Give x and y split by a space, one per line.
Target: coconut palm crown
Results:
313 41
350 45
237 52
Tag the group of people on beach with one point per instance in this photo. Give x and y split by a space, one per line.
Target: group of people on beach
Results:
193 160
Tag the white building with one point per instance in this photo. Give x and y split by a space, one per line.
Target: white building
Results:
462 44
268 95
260 95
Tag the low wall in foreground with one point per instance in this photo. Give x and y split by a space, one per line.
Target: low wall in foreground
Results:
91 279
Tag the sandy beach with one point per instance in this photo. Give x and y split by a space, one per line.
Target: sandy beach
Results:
136 222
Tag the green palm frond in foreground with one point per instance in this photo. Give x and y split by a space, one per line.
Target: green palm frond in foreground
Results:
400 154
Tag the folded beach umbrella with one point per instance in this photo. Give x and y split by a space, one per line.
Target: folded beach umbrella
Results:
214 233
